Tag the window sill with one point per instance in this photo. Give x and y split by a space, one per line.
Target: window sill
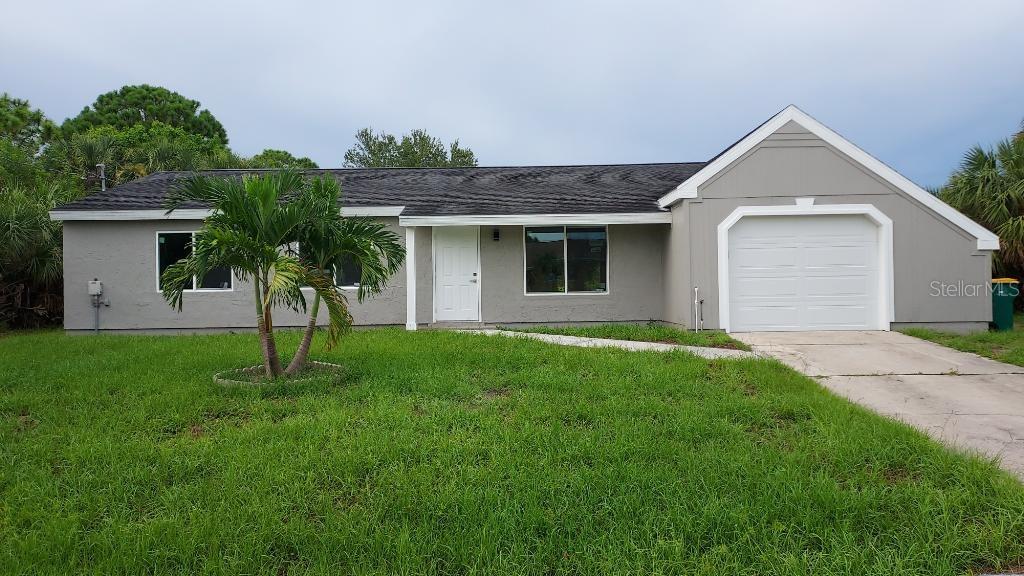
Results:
202 290
605 293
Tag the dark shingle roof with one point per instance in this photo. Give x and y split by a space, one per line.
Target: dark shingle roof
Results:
455 191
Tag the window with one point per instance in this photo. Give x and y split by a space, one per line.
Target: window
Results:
349 273
586 259
566 259
174 246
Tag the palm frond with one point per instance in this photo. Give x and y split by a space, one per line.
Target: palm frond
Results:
989 188
199 189
339 319
176 279
376 249
284 284
326 241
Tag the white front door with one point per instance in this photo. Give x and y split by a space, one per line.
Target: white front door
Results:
804 273
456 273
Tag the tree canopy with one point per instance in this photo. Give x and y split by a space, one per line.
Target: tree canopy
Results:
989 188
145 104
23 126
31 262
271 158
414 150
134 152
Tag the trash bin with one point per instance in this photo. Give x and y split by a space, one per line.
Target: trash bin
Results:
1004 291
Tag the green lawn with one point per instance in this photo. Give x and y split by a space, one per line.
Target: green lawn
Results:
442 452
1003 346
643 333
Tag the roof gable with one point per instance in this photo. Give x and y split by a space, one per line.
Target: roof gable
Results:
791 114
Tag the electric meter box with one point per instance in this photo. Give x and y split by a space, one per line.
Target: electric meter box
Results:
95 288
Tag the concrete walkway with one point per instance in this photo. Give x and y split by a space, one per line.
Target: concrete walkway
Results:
624 344
961 399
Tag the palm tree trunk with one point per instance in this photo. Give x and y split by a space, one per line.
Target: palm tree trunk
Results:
261 327
299 360
274 361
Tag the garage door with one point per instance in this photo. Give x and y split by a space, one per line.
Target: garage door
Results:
815 272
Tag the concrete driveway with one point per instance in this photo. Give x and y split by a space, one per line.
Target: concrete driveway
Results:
961 399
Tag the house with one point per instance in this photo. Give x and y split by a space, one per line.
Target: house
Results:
790 228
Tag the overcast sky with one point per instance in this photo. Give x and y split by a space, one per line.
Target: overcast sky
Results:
524 82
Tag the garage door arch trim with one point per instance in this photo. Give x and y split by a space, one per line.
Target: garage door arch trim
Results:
806 207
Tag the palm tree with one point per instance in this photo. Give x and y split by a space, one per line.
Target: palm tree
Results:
83 153
323 245
31 263
253 219
167 154
989 187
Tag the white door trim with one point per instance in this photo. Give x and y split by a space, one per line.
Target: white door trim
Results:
433 265
806 207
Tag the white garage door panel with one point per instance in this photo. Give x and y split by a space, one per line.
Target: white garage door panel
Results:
836 317
757 258
753 287
827 256
803 273
831 286
770 318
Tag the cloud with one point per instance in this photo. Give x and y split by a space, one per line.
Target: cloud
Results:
529 82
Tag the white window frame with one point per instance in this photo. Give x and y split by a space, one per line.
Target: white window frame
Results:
195 280
565 260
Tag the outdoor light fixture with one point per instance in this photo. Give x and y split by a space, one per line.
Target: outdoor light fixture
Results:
496 234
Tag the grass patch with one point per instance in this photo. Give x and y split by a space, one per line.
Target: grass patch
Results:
443 452
1003 346
642 333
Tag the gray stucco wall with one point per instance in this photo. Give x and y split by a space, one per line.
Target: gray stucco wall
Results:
635 270
123 255
794 163
424 278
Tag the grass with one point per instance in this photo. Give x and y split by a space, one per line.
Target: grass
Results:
440 452
1003 346
643 333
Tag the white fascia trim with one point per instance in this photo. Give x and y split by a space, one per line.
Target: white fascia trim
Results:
688 189
886 308
199 214
539 219
372 211
182 214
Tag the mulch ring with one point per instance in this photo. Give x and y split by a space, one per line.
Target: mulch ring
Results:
256 375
